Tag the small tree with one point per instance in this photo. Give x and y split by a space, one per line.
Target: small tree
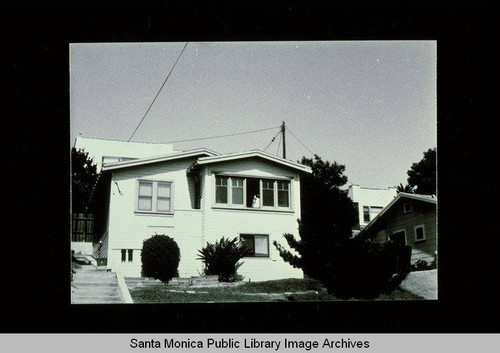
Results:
160 258
422 175
326 250
328 216
222 258
83 179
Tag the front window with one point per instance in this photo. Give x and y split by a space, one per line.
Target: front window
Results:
257 244
237 191
252 193
268 193
221 189
154 196
283 194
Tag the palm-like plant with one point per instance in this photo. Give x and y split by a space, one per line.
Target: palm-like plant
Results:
222 258
406 188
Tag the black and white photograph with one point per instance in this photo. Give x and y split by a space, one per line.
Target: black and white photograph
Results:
296 176
283 171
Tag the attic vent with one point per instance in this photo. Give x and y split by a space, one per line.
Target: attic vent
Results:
407 207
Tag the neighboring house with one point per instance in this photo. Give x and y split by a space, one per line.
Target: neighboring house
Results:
197 197
369 202
409 219
112 151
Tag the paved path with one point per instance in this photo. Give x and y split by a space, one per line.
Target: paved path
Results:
94 286
421 283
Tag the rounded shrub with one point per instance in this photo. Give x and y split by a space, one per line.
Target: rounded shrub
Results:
160 258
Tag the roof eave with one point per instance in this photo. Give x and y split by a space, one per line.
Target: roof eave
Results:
157 159
251 154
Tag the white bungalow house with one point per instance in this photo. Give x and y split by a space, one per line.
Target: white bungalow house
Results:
196 197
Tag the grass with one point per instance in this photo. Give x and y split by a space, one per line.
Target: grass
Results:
268 291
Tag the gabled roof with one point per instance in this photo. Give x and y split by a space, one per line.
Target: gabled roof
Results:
254 154
418 197
158 159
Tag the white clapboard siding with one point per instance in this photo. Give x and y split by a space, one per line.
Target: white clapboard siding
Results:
128 229
230 223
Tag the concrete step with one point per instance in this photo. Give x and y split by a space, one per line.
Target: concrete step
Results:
81 277
95 295
96 301
95 290
94 284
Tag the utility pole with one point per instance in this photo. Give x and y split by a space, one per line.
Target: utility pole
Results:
283 135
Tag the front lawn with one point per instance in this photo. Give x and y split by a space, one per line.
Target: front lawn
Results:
268 291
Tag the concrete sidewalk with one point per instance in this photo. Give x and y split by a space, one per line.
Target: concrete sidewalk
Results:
421 283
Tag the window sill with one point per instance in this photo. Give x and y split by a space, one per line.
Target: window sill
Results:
152 213
419 240
252 209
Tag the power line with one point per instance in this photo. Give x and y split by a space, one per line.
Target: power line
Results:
300 141
215 137
147 111
279 144
272 140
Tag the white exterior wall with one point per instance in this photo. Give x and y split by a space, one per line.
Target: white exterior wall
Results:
128 229
370 197
98 148
231 223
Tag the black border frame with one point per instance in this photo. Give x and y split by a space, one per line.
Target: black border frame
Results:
35 138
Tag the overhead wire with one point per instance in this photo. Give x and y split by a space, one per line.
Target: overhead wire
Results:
279 144
272 140
158 93
228 135
300 141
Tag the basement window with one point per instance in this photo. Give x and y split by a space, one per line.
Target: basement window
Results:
130 253
257 244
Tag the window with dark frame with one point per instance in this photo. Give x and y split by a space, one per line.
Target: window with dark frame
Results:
419 233
283 194
129 252
237 191
366 214
407 207
268 193
245 192
257 244
221 189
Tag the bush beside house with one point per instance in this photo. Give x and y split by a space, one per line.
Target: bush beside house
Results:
160 258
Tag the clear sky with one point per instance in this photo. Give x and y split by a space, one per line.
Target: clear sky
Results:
370 105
